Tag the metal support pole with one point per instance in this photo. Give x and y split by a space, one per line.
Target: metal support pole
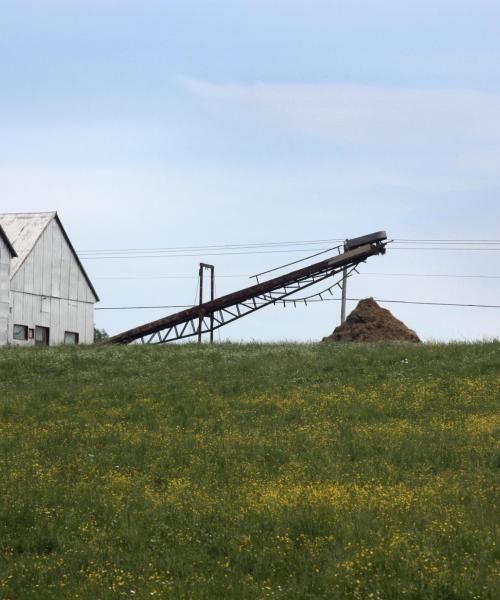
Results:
212 297
200 321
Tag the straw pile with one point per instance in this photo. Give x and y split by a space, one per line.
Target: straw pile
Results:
369 322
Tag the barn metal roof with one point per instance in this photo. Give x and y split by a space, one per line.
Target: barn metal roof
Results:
24 230
6 240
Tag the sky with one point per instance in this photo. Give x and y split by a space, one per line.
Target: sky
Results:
163 124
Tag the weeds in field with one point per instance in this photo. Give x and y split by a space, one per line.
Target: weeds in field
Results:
286 471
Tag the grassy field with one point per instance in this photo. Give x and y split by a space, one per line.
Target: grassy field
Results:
253 471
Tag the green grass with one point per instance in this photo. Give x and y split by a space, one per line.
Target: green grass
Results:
253 471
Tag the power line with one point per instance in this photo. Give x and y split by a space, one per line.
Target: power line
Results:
282 243
143 307
241 276
172 276
225 248
168 255
321 250
278 302
442 248
418 302
447 241
212 247
444 275
295 262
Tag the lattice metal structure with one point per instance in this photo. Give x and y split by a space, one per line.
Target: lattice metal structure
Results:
216 313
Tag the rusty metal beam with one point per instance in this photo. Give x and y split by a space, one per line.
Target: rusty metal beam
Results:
244 301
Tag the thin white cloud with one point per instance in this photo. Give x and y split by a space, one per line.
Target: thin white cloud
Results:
365 115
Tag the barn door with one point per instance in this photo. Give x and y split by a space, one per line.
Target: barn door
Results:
41 336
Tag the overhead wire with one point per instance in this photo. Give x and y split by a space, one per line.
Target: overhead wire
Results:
113 254
170 276
445 275
212 247
445 241
443 248
295 262
241 276
283 246
417 302
184 255
284 243
288 251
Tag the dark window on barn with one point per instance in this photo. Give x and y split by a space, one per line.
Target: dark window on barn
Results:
71 338
20 332
41 336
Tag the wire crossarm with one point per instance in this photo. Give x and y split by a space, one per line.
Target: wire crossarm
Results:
219 312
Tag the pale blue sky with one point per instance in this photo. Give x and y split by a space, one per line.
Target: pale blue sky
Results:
174 123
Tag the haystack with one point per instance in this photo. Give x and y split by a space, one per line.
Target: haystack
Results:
369 322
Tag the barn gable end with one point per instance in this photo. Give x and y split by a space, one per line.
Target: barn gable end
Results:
51 295
51 268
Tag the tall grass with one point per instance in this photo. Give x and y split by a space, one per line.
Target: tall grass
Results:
250 471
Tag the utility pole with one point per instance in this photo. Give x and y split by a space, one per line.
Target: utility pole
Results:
344 296
211 268
344 291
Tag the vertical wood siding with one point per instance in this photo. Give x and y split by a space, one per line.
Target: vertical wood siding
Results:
64 315
5 259
50 290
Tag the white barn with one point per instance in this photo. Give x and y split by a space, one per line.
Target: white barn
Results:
46 297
